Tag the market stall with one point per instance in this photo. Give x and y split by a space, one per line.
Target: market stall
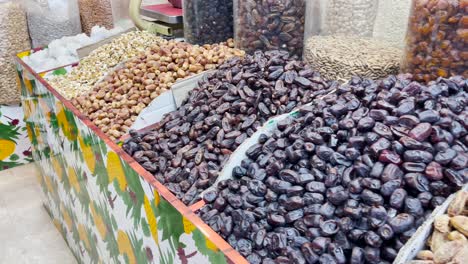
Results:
250 154
107 207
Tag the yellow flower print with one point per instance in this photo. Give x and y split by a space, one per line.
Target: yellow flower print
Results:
152 222
99 222
88 155
115 170
125 247
73 178
188 226
7 147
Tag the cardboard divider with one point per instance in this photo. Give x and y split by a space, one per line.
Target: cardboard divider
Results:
417 242
86 50
167 102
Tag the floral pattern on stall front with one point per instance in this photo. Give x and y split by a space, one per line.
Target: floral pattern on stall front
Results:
104 209
15 147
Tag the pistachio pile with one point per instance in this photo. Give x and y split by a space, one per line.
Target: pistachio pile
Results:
114 103
448 242
93 67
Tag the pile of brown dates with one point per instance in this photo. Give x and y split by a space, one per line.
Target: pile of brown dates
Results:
349 179
187 149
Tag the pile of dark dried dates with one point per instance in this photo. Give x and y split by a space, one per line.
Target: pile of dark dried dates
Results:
187 149
351 178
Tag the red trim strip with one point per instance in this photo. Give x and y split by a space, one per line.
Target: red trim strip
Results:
196 206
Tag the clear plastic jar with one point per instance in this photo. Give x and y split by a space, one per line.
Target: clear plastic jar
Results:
340 40
105 13
269 25
391 21
120 10
437 39
207 22
52 19
348 17
14 38
95 13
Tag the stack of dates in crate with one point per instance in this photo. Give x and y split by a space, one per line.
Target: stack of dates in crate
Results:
188 148
348 180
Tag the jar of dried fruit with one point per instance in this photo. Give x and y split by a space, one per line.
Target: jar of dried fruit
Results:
207 22
437 39
269 25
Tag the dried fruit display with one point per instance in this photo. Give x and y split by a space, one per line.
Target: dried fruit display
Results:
331 184
187 149
114 103
269 25
451 244
207 22
437 38
99 62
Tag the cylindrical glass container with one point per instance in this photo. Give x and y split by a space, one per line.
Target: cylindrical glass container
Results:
207 22
269 25
120 10
339 41
348 17
391 21
52 19
95 13
437 39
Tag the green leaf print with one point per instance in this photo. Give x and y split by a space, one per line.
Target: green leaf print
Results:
61 71
170 221
14 157
165 257
7 165
102 178
9 132
200 242
145 227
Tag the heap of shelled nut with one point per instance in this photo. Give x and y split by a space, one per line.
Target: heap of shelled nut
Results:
448 242
94 66
350 178
114 103
187 149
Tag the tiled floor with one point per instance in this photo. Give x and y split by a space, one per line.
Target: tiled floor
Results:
27 234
